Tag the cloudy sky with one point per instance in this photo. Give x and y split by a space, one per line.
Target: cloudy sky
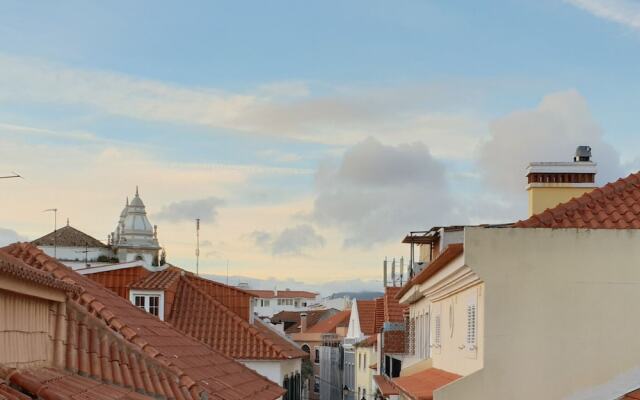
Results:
307 136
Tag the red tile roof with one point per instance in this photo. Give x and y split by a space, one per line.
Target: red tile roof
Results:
449 254
68 236
367 314
195 366
160 280
330 324
384 386
393 310
292 318
635 395
613 206
393 342
421 385
203 317
118 280
283 294
17 268
48 383
379 315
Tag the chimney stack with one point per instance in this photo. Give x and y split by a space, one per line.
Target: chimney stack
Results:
552 183
303 322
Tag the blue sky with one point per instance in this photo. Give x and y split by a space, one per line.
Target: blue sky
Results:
267 106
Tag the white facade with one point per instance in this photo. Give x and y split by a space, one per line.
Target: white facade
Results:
269 306
275 370
79 254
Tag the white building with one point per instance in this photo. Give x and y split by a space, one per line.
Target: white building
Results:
134 239
270 302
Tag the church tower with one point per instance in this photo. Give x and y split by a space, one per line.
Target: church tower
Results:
135 238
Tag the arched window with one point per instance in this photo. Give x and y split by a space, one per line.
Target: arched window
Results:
306 349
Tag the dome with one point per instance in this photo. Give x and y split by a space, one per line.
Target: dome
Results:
134 228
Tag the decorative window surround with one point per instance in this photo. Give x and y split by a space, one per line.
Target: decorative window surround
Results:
148 300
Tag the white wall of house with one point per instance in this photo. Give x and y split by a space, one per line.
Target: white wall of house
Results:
560 314
275 370
269 307
76 253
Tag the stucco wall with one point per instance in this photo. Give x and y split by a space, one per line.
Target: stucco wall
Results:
365 374
541 198
560 314
76 253
275 371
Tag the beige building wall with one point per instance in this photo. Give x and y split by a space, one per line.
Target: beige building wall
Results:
560 312
364 374
25 336
454 353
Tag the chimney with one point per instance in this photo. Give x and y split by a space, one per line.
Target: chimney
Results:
303 322
384 272
552 183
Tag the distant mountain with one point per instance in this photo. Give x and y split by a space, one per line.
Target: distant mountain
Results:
357 295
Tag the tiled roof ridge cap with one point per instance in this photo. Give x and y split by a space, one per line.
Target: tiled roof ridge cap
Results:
253 331
215 283
110 319
10 267
171 268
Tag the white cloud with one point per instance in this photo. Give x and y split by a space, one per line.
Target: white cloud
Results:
287 109
625 12
377 192
8 236
293 241
188 210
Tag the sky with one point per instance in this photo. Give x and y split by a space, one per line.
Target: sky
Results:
309 137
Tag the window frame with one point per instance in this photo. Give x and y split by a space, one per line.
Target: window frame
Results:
147 294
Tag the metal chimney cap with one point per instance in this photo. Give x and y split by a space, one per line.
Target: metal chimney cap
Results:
583 153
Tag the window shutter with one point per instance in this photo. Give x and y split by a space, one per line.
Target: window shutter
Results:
472 322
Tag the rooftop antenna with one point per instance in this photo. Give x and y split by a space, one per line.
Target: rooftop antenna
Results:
197 244
55 229
14 175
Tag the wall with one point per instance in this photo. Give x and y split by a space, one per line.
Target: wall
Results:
364 374
273 370
453 354
25 336
541 198
274 308
560 314
76 253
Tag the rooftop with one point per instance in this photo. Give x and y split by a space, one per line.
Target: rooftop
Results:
282 294
613 206
198 367
421 385
68 236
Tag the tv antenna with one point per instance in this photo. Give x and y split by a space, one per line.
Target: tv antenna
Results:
14 175
197 246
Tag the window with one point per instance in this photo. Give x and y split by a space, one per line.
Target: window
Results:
471 342
149 301
306 348
364 393
364 366
360 361
317 360
264 302
316 384
437 330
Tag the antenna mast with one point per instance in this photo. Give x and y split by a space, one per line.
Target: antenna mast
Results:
197 246
15 175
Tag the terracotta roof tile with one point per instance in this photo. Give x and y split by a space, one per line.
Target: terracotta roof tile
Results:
384 386
203 317
68 236
367 314
19 269
421 385
158 280
613 206
450 253
379 315
371 341
282 294
195 366
393 310
635 395
292 318
330 324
